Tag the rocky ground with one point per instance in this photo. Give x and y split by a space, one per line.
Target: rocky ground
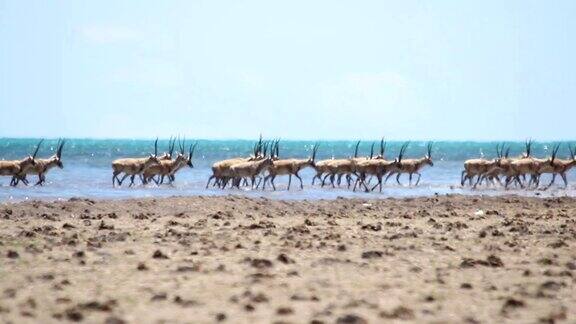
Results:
236 259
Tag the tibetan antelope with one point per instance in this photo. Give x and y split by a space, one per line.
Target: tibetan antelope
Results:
558 166
249 169
479 167
15 167
413 166
221 173
526 165
342 167
289 167
169 167
42 166
502 168
133 166
376 166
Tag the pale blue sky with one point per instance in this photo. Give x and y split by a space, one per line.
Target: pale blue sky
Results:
334 69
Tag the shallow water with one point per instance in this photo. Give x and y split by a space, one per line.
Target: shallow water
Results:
87 171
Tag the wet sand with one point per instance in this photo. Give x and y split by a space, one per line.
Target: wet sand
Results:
237 260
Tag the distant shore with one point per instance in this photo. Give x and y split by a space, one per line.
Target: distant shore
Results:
238 259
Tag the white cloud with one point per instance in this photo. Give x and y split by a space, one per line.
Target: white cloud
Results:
107 34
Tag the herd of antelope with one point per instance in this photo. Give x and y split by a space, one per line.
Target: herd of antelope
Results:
19 169
265 164
515 170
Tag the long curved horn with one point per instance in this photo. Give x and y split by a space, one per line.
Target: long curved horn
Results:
191 151
403 150
37 148
555 151
572 151
382 147
314 150
498 153
356 149
277 148
59 150
171 144
156 147
529 147
372 151
430 149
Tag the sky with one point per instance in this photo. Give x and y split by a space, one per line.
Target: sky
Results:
299 69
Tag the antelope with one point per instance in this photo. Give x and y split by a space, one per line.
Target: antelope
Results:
376 166
341 167
42 166
289 167
249 169
413 166
221 170
133 166
170 167
479 167
558 166
14 167
524 166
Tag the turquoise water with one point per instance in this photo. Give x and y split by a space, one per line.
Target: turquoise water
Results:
87 171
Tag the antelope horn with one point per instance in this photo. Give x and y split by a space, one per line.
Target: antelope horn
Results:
37 148
59 150
156 147
192 148
372 151
382 147
429 149
403 150
356 149
507 154
498 152
171 144
528 147
265 149
314 150
572 151
277 147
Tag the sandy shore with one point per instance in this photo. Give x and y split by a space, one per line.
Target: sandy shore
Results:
236 259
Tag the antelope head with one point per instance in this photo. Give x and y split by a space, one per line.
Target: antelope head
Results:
554 154
498 159
356 150
312 159
168 155
528 146
428 157
57 158
572 156
153 158
398 161
31 159
276 150
382 150
191 154
257 151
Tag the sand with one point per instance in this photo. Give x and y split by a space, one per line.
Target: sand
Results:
252 260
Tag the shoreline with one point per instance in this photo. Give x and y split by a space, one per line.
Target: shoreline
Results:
239 259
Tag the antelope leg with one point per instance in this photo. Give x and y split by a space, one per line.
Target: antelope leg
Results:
123 178
299 178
